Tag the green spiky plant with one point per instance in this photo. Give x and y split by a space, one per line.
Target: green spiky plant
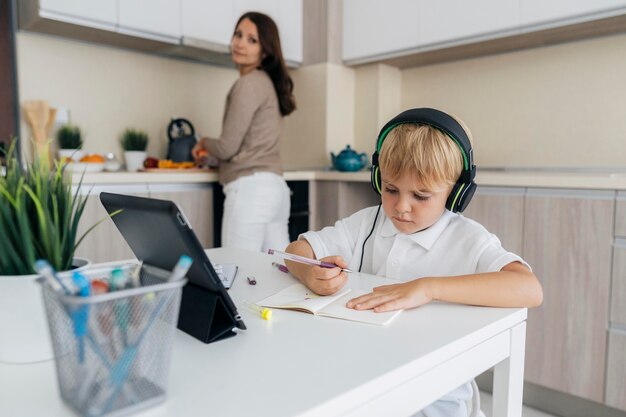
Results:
134 140
39 215
70 137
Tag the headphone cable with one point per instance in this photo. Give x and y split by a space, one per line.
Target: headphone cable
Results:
368 236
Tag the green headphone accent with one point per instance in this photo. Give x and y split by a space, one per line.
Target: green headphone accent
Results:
464 188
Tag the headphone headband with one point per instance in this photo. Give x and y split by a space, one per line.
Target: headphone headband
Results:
465 186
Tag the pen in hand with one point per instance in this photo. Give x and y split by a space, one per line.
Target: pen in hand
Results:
305 260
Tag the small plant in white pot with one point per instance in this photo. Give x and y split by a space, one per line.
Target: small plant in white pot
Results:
70 140
134 143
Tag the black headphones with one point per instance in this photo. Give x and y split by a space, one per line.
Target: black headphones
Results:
465 186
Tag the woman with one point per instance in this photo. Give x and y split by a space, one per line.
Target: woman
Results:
256 208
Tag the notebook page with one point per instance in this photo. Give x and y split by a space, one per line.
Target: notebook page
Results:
299 296
339 310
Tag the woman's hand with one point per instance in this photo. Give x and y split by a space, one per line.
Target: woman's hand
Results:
199 153
393 297
326 281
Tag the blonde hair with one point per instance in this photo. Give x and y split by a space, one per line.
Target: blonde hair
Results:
431 156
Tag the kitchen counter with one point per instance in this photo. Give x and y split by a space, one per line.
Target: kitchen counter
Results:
555 178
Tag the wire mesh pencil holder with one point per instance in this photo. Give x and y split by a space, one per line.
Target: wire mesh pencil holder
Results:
113 350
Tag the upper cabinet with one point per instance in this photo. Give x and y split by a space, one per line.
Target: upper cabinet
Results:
449 20
208 23
153 19
95 13
182 27
384 31
211 23
551 12
374 27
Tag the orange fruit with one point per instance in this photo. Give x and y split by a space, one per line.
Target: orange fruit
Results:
94 157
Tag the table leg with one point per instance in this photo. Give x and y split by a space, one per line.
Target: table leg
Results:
508 377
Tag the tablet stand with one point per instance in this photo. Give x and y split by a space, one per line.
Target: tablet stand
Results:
204 315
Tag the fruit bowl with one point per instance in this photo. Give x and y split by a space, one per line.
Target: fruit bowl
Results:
81 167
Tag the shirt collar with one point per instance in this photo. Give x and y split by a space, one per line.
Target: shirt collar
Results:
425 238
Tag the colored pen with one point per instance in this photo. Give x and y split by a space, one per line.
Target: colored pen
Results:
304 260
45 269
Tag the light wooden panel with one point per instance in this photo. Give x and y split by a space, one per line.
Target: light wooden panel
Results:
501 211
616 371
354 196
334 200
568 243
618 287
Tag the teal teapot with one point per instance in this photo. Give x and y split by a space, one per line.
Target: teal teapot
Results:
349 160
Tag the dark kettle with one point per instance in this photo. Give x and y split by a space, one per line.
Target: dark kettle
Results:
182 138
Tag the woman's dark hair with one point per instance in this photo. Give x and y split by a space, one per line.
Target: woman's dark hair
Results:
273 63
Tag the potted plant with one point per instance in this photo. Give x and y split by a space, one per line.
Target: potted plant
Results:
39 216
134 143
70 142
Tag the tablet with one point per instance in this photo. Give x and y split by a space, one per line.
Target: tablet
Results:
158 233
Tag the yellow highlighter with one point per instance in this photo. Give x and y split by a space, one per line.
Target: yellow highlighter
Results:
265 312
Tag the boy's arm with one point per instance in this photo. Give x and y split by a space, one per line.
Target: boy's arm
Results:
513 286
323 281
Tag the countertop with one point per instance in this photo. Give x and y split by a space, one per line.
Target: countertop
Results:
546 178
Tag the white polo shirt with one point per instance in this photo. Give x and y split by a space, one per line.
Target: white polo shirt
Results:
454 245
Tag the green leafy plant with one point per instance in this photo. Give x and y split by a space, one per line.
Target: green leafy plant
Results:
69 137
134 140
39 215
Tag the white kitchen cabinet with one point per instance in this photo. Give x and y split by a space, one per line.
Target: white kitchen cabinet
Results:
441 21
101 14
375 30
549 13
154 19
374 27
208 23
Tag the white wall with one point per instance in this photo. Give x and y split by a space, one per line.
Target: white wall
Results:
562 105
108 89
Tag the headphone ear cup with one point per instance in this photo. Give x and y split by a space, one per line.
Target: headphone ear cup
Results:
375 179
466 196
460 196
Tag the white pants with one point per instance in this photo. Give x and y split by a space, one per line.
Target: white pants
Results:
256 212
453 404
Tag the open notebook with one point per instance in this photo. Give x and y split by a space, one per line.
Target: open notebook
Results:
298 297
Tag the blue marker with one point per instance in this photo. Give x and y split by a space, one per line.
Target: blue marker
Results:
80 316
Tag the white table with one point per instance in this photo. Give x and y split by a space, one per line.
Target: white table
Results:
298 364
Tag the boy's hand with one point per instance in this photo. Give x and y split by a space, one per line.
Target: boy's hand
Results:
393 297
326 281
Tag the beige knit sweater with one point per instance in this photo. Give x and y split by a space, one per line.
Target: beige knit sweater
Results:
251 129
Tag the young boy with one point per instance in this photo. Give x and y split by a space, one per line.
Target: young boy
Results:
423 170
